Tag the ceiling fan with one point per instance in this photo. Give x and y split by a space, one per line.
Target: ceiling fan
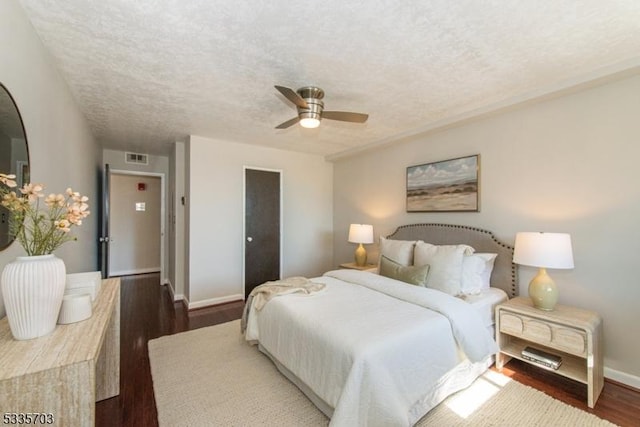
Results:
308 100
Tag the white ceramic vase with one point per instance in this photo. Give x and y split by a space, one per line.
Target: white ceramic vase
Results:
32 289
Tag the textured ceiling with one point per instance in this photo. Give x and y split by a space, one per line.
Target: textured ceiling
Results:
150 72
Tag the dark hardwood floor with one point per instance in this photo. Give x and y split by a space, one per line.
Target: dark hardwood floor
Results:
148 312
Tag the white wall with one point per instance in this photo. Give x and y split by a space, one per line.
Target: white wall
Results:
215 215
157 165
62 150
562 165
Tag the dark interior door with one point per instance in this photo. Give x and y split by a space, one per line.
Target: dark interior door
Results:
262 228
103 238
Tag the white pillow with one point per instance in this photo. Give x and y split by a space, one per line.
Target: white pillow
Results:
400 251
476 272
445 261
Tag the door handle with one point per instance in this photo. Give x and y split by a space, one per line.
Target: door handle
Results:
249 239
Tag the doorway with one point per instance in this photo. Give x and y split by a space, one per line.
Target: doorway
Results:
262 227
135 223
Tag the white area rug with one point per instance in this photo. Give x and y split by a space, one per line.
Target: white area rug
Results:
212 377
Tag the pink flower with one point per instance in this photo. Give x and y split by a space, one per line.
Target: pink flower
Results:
62 225
54 200
8 180
12 202
32 191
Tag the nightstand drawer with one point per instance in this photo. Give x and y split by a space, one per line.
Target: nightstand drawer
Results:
511 324
569 340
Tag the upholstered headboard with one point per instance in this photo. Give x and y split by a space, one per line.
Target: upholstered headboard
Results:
504 275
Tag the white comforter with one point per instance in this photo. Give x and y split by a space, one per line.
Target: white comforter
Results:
371 347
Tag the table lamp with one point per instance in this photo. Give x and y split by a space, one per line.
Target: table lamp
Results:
543 250
361 233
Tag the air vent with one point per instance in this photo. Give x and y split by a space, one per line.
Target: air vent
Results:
136 158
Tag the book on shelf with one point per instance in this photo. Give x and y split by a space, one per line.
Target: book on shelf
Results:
541 357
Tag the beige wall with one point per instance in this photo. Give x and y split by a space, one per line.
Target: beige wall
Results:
563 165
62 150
215 215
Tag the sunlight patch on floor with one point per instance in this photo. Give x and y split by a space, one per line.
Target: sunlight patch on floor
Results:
467 401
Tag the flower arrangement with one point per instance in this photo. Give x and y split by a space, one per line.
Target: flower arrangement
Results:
41 229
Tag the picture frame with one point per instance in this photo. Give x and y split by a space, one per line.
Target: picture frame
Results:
444 186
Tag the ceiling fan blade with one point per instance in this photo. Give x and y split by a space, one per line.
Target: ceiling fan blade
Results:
288 123
345 116
292 96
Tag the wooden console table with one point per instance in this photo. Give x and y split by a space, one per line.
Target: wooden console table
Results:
66 372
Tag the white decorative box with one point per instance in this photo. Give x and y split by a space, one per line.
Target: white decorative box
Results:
83 283
75 308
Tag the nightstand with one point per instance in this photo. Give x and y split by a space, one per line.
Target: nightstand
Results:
571 333
353 266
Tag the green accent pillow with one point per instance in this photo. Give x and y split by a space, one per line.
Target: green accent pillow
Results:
414 275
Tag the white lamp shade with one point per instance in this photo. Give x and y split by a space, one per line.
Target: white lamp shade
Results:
545 250
361 233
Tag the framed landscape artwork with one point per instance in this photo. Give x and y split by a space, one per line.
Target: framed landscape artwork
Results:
445 186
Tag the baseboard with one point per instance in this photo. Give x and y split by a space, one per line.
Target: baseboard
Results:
622 378
175 297
213 301
136 271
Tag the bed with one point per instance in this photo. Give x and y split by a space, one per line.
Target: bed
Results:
372 350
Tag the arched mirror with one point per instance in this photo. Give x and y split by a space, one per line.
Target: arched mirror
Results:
14 153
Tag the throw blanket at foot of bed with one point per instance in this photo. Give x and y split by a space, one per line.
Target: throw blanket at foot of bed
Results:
261 294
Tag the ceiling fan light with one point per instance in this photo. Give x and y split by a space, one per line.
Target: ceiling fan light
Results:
309 122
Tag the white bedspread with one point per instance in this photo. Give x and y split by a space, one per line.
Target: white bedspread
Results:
368 346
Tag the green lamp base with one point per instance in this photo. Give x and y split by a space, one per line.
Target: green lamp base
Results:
361 256
543 291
